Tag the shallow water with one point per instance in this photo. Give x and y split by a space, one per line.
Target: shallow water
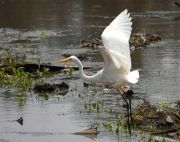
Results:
64 23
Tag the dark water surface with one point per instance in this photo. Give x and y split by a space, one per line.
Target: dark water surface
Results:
57 118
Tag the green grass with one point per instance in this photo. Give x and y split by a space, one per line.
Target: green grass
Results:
12 76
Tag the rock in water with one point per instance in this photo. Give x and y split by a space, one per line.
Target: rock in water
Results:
20 120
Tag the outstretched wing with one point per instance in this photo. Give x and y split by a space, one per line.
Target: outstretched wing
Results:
116 38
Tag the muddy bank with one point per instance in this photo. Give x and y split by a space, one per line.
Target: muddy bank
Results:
159 120
32 67
61 88
83 57
137 41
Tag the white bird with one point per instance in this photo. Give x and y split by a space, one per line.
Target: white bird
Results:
116 54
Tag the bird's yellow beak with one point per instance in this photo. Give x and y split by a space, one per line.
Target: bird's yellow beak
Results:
65 60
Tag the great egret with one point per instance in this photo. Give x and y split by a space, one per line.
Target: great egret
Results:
116 55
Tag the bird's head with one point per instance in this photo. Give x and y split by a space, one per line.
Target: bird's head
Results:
71 58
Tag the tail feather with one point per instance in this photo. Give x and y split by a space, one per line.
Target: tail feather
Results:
133 76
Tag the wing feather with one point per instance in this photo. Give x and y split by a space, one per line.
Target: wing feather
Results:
116 37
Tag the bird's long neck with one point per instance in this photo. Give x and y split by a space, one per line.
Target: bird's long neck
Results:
92 78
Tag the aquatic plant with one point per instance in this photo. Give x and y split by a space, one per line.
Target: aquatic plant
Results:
68 71
96 106
108 125
163 103
15 76
159 118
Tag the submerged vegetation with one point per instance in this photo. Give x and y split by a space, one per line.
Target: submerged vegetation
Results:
11 76
14 72
162 119
17 77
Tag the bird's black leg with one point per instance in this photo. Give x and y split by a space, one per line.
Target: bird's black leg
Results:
129 94
128 105
123 94
130 111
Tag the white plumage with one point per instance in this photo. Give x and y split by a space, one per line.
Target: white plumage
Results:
116 36
116 55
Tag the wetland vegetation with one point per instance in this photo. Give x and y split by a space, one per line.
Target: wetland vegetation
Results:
16 72
37 89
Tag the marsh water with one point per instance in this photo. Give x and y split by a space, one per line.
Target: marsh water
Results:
65 23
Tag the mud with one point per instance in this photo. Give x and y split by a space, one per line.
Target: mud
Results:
140 40
83 57
177 4
94 43
137 41
158 120
60 89
32 67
